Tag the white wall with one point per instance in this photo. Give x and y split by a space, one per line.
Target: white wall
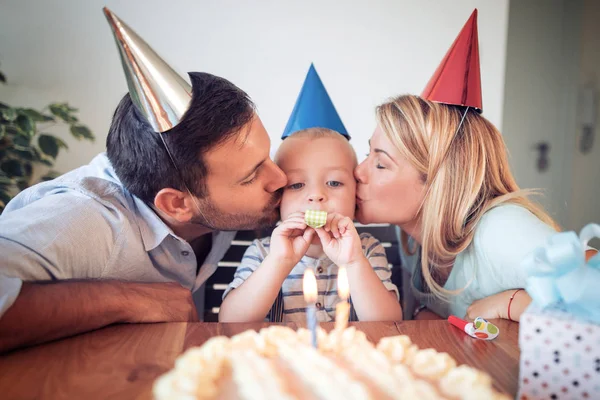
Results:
364 51
585 195
542 68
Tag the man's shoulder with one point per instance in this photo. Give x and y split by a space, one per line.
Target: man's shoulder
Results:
94 181
85 197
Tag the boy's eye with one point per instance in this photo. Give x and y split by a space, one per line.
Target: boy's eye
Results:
334 184
296 186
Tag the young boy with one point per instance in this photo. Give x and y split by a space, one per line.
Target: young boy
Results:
319 164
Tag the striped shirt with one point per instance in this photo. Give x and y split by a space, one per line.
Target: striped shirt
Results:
325 270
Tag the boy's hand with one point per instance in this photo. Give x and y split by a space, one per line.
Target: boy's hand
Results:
291 239
340 240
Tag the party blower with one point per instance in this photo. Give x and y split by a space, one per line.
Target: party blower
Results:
478 329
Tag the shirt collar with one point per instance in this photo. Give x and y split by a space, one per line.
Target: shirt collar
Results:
152 228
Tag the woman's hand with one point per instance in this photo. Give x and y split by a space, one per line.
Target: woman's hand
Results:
340 240
291 239
489 307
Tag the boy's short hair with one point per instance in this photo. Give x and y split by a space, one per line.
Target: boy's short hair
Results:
319 133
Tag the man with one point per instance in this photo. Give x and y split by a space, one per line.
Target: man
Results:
129 236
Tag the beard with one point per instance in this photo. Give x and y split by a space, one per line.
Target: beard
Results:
213 218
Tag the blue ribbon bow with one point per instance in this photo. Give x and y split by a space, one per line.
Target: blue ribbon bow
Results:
559 275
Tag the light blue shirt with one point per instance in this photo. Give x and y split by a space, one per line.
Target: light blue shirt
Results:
490 264
86 225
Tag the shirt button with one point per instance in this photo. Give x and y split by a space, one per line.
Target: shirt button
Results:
319 305
185 253
320 270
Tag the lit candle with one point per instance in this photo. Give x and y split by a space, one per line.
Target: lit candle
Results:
309 287
342 309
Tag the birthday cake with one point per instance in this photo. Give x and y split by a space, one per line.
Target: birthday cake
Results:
280 363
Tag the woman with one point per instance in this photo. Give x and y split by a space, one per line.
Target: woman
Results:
440 172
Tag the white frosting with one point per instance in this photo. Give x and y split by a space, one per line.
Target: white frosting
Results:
323 376
398 348
256 378
395 367
430 364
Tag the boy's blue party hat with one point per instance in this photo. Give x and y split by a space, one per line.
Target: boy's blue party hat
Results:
314 108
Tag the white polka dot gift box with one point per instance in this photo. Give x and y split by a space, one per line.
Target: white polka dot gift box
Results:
559 334
560 356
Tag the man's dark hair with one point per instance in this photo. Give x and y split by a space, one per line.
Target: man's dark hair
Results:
218 111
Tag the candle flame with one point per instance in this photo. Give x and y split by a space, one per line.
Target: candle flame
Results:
309 286
342 283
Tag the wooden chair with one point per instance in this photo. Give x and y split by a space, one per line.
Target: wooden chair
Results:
217 283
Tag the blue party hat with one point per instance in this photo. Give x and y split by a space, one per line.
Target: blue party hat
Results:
314 108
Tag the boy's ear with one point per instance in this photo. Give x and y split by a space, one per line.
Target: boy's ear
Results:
176 204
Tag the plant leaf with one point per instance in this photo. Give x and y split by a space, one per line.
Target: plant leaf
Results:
82 132
28 170
26 125
61 110
5 181
12 130
9 114
43 159
60 142
48 145
34 115
2 131
24 153
49 176
21 140
2 77
4 199
22 184
12 168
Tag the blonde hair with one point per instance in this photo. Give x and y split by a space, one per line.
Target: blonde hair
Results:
465 172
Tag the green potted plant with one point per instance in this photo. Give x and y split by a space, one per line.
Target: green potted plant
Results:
24 144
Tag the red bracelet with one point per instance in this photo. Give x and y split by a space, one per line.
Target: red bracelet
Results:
510 302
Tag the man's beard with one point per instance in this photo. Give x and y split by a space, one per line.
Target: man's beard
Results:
213 218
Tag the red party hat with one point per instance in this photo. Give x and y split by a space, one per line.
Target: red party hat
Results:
457 80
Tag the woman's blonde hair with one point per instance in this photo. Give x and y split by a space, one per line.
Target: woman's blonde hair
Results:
465 172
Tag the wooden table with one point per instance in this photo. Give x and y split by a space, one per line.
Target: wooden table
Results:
122 361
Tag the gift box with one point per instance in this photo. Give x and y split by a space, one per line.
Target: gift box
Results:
559 333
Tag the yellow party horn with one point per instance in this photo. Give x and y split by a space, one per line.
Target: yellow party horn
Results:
315 219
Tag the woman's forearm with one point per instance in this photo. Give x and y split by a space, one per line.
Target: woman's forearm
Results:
499 304
517 306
